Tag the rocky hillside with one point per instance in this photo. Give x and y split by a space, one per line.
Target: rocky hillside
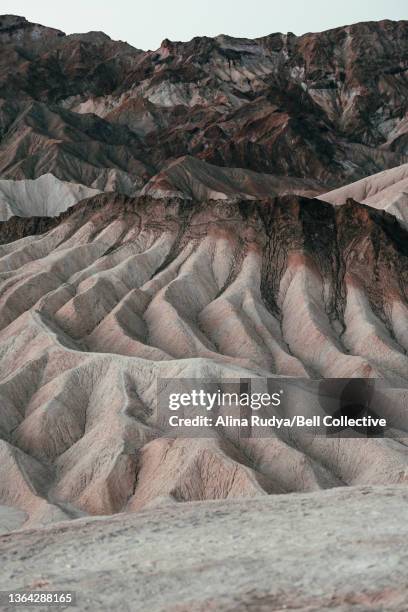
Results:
329 107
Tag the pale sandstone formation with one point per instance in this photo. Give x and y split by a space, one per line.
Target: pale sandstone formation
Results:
46 196
387 190
120 292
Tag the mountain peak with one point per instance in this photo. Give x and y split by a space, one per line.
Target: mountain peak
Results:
16 29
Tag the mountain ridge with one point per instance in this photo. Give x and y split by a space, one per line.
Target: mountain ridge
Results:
318 106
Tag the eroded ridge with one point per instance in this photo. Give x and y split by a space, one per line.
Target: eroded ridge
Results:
117 292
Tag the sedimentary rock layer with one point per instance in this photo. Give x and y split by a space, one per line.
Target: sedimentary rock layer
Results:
121 291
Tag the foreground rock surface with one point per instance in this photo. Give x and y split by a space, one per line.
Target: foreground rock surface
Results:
342 550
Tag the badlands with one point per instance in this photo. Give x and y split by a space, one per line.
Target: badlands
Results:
219 209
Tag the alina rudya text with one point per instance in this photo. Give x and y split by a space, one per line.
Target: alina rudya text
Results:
276 422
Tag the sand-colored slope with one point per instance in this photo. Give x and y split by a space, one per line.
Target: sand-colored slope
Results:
45 196
387 190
